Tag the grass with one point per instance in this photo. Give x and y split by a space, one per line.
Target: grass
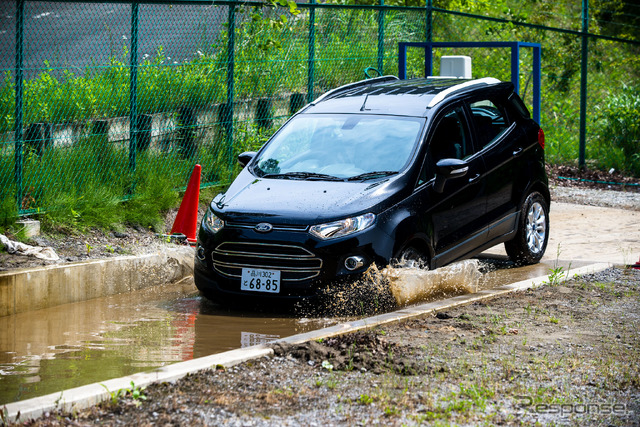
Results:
95 197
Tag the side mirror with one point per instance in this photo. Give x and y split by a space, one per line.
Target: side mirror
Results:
246 157
449 169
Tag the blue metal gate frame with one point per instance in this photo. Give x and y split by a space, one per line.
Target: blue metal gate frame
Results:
515 62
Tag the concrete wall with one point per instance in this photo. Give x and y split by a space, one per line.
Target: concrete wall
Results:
36 288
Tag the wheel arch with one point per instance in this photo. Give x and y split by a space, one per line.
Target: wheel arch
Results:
405 234
541 188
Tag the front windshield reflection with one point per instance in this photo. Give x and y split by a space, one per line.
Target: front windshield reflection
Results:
339 146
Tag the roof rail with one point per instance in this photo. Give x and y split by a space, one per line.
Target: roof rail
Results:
442 95
353 85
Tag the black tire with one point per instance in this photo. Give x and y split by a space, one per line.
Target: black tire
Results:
410 256
532 235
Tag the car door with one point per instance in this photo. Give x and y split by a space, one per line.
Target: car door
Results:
456 212
501 145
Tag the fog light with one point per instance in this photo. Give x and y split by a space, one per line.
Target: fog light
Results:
200 253
353 262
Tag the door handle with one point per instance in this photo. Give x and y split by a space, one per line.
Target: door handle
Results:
474 179
517 152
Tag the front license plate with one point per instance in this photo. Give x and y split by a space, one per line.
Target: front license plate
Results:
257 280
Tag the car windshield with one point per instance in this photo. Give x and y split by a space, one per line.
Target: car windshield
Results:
339 147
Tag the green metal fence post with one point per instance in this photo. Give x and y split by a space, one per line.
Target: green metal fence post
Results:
428 29
381 14
18 101
312 51
583 84
231 46
133 88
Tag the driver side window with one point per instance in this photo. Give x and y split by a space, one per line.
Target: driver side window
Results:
450 140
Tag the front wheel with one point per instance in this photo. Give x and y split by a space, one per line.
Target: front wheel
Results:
532 235
411 257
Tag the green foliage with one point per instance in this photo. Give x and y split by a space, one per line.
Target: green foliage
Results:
7 102
557 275
365 399
154 196
136 392
114 396
618 18
618 119
80 208
8 212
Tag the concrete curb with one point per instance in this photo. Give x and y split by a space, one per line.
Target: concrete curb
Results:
85 396
48 286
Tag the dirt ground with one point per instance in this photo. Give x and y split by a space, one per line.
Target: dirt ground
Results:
559 354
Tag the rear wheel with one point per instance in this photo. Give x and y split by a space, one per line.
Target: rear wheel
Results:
530 242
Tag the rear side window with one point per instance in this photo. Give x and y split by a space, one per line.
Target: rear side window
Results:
490 121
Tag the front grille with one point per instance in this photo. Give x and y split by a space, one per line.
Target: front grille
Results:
294 262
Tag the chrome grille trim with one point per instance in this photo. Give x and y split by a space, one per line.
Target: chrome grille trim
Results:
287 269
229 259
218 250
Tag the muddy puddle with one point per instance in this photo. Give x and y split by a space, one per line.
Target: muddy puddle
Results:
45 351
49 350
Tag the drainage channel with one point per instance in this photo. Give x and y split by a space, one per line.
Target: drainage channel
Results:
46 351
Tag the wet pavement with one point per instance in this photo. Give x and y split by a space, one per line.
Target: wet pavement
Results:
46 351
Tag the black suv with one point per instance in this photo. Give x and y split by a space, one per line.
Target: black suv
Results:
435 170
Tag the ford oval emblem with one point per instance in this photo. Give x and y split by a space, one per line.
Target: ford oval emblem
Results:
263 227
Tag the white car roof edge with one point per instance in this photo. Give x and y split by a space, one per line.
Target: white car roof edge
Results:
442 95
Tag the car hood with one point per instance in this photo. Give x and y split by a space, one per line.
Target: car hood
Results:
287 201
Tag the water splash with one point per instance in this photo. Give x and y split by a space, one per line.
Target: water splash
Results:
383 290
411 285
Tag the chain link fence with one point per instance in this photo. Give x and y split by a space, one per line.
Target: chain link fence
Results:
119 94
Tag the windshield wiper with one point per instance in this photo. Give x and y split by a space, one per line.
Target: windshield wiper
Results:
371 175
302 175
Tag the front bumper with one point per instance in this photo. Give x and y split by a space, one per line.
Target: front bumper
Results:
306 263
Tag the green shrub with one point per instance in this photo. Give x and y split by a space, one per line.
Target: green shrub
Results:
152 198
618 142
8 213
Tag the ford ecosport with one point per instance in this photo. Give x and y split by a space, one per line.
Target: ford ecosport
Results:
435 170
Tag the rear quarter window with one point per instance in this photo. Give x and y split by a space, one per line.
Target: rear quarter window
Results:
517 108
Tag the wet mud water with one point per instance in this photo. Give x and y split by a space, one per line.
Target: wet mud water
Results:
46 351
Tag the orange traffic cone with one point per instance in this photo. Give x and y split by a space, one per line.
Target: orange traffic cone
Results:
187 219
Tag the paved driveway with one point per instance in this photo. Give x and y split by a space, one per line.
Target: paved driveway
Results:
589 233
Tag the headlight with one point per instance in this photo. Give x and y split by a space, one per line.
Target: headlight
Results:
212 222
343 227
